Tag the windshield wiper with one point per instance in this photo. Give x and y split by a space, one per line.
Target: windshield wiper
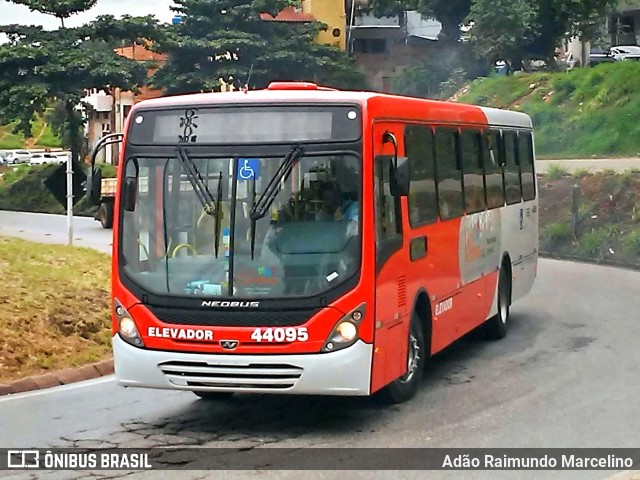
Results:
211 205
268 196
197 182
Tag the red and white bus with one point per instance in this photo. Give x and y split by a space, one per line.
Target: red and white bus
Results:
304 240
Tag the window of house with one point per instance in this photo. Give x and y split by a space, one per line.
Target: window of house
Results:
370 45
418 145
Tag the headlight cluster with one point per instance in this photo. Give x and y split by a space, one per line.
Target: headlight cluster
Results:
126 326
345 333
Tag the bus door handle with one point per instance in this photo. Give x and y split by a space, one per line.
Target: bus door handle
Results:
418 248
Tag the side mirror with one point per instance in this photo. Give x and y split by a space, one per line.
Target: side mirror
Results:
94 186
399 169
130 191
399 178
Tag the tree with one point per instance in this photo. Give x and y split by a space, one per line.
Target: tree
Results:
39 68
504 36
226 39
450 13
60 9
515 30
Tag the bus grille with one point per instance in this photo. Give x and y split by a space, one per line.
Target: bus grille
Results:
232 377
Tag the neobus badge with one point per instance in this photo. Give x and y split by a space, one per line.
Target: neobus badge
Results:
218 303
181 333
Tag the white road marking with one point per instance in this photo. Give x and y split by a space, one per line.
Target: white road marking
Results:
61 388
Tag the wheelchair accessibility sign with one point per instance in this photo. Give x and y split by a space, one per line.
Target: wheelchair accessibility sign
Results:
248 168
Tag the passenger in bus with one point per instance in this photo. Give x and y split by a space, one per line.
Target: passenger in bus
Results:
335 206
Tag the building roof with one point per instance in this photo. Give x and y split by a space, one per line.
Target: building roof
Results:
289 14
140 54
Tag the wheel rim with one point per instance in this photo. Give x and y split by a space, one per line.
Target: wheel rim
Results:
413 359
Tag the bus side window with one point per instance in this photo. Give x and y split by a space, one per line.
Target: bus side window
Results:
449 174
418 145
525 152
492 169
513 190
471 153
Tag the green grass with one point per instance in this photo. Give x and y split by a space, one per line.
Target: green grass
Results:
43 133
40 325
582 113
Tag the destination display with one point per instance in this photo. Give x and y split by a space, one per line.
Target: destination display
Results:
245 125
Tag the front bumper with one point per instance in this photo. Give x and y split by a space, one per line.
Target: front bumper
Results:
345 372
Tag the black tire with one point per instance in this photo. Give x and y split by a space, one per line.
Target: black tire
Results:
497 326
404 388
213 396
105 214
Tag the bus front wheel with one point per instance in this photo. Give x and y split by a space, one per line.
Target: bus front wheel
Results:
404 388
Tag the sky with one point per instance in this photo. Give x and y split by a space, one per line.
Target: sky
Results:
11 13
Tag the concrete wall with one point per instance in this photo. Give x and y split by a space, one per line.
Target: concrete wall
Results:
333 14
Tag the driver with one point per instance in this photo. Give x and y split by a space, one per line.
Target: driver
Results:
334 207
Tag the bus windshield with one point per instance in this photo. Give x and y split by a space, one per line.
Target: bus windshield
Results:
190 226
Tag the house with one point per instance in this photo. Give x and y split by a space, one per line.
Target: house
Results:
384 47
107 112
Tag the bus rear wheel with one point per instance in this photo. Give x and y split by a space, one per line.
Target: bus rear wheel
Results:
213 395
405 387
496 327
105 215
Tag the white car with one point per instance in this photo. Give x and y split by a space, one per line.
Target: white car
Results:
42 158
625 52
18 156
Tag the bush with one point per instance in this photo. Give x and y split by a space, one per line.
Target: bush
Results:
631 243
556 171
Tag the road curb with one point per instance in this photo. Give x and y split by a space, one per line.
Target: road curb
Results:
60 377
592 261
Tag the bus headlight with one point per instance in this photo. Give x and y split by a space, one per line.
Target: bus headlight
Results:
127 328
345 333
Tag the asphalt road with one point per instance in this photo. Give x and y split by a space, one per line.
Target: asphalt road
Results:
566 376
39 227
592 164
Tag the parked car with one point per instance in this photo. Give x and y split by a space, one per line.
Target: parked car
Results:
3 158
614 54
18 156
42 158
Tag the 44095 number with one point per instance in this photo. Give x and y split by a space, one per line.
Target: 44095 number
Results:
280 335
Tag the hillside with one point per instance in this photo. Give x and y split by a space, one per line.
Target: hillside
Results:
581 113
42 137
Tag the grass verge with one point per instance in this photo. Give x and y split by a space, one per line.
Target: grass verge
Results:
54 307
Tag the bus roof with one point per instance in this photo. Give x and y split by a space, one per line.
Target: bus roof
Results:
387 105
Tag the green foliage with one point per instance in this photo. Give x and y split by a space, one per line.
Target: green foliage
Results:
505 35
631 243
58 8
512 30
578 114
229 41
556 171
439 77
581 173
38 68
555 234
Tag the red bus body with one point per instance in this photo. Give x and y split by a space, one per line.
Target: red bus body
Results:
427 275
